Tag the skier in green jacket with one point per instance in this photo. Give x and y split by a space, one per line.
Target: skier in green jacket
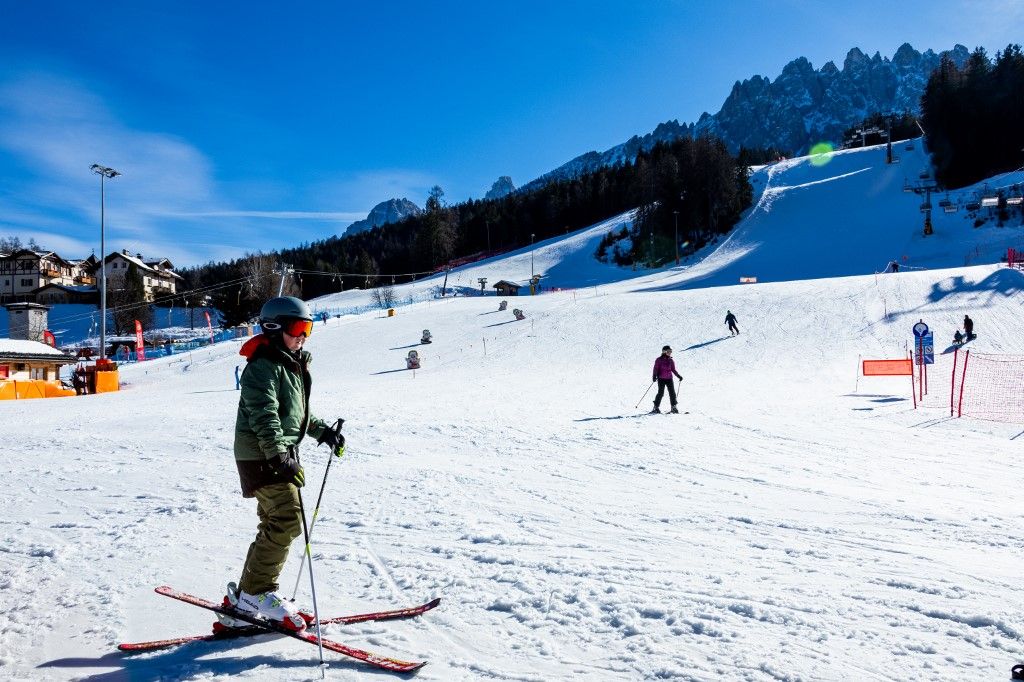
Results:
273 417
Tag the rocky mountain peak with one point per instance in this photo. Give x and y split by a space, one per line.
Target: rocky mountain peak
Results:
390 211
503 186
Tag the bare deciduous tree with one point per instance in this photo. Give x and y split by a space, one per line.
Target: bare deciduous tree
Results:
384 297
264 280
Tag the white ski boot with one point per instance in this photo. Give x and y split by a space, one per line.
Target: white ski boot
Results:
273 607
231 602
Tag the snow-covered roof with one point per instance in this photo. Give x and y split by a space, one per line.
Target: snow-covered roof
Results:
19 347
147 265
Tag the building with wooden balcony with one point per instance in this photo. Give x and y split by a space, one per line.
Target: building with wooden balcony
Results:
24 271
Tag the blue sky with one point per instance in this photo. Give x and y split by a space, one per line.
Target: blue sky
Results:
245 126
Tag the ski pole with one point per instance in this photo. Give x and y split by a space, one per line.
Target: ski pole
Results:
644 395
316 512
312 584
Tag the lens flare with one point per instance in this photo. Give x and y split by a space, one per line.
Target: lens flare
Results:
821 153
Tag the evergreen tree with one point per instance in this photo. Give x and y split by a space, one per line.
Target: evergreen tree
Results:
128 301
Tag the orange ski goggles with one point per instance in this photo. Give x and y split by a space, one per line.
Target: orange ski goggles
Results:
292 327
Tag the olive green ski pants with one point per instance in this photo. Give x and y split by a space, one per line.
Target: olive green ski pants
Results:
280 523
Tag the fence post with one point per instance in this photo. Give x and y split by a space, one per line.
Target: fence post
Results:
963 379
913 391
952 381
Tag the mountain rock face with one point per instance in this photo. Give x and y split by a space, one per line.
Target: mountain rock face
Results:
503 186
801 107
390 211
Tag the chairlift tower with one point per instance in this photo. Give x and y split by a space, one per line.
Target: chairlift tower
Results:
925 188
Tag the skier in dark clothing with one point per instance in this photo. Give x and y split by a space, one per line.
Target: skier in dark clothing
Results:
968 327
730 320
664 368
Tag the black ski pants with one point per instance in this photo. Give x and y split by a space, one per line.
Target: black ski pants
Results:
662 385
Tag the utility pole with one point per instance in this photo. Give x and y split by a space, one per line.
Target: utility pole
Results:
488 235
531 254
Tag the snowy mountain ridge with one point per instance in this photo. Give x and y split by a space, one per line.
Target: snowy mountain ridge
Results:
800 107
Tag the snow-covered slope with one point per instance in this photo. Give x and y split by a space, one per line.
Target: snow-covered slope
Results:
789 527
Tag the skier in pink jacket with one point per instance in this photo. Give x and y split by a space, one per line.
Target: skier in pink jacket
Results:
664 368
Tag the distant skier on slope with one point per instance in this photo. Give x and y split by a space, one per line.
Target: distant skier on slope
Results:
730 320
664 368
273 416
969 328
958 338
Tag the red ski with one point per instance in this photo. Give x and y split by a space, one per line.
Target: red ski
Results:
223 633
376 660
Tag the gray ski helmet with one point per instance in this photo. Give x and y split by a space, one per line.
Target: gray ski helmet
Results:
277 310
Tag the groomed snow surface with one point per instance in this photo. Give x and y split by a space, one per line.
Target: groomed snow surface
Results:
800 523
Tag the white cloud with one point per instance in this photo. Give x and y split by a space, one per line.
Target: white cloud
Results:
281 215
166 202
369 188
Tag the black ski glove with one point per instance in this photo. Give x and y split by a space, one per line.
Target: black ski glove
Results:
336 442
334 439
288 468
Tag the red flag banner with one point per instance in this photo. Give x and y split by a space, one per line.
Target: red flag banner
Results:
140 350
888 368
209 324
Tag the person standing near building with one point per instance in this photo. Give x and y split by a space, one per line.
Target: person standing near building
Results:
664 368
730 320
273 417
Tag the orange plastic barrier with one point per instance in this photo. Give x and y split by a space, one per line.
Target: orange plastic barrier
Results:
34 388
888 368
107 381
55 390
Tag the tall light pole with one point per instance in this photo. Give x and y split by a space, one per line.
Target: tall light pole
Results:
488 237
104 173
676 214
531 255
